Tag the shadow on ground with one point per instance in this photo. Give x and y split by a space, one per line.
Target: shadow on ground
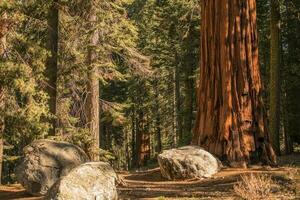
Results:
149 184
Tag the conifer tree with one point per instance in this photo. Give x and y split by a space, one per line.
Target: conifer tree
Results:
231 122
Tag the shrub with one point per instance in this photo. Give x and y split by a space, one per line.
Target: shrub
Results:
254 187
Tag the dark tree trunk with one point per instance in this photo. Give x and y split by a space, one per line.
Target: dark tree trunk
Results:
178 114
275 76
230 119
93 99
188 102
158 119
133 138
51 64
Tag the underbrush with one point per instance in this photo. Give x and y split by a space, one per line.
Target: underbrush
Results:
255 186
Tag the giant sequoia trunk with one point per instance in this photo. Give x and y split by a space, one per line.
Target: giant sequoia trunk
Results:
230 117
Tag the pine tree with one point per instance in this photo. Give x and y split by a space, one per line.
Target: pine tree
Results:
22 64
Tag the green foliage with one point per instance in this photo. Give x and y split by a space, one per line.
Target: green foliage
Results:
168 33
147 58
21 78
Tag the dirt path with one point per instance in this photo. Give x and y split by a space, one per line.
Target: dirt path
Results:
15 192
150 185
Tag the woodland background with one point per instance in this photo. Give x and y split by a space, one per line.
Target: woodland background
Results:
147 63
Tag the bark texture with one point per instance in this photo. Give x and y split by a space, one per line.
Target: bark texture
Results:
93 96
230 119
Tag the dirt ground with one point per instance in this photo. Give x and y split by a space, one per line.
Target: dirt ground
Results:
150 185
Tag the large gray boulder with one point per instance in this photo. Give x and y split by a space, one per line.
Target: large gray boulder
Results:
188 162
45 161
89 181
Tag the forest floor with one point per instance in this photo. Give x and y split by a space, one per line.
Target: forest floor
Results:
150 185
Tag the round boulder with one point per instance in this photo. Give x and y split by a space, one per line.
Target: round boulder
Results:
44 162
90 181
188 162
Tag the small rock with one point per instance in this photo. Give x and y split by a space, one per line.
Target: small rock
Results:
44 162
188 162
89 181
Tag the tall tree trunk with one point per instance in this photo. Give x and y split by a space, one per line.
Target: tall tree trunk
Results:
158 118
230 119
174 130
3 32
1 131
2 107
274 76
51 63
142 128
178 114
92 103
142 141
188 102
133 138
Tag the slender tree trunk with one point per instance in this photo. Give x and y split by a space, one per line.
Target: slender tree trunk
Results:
133 138
188 103
274 76
177 98
158 119
230 119
2 104
92 104
51 64
1 132
142 135
140 140
288 142
174 131
3 32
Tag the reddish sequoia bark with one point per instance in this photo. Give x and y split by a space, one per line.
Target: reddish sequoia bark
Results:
231 122
142 141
